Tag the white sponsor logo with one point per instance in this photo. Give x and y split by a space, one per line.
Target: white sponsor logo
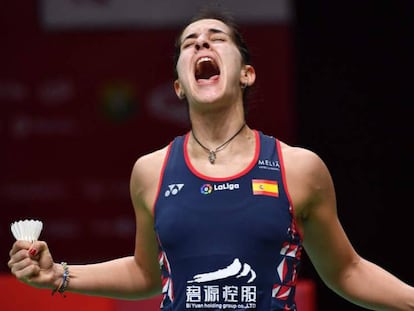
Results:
173 189
269 165
234 269
229 296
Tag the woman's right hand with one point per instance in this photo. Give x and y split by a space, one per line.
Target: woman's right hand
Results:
33 264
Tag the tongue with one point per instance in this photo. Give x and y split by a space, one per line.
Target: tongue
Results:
206 70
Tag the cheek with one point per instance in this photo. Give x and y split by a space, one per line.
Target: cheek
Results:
182 66
234 61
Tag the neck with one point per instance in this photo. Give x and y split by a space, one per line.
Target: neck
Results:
212 152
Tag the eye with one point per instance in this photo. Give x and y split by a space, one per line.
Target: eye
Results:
218 38
187 43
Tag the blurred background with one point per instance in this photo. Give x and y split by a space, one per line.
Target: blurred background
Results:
86 88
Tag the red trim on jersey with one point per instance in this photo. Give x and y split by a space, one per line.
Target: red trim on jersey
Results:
164 164
220 179
283 171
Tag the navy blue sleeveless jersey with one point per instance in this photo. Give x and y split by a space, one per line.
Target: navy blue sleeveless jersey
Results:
227 243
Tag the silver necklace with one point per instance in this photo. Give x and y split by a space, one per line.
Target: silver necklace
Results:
212 153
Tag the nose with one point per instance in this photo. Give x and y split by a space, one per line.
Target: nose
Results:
202 43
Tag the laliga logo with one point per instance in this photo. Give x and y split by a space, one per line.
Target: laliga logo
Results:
206 189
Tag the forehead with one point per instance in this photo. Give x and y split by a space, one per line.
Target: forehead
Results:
204 25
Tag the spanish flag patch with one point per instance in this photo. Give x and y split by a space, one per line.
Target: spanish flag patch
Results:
265 187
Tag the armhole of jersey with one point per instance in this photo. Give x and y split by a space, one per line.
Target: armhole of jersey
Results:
160 180
283 171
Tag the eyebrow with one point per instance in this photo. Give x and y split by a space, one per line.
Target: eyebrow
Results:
211 31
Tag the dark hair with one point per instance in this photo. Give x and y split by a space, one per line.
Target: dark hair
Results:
235 34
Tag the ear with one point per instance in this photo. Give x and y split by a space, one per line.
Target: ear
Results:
248 75
178 89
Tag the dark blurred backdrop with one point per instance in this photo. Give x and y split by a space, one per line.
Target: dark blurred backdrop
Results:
354 63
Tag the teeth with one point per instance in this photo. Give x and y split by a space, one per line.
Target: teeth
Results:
204 59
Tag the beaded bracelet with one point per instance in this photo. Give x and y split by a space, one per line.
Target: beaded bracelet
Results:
65 280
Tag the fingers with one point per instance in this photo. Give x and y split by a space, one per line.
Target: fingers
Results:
19 245
25 269
37 247
24 259
22 266
18 254
22 249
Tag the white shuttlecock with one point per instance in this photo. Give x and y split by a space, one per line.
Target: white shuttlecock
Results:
26 230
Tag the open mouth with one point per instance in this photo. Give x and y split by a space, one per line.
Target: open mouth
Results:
206 68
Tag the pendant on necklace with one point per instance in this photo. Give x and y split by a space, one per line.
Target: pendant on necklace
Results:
212 156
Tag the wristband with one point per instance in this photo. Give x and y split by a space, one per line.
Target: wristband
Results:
65 281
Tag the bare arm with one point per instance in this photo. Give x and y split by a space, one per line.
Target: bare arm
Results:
338 264
132 277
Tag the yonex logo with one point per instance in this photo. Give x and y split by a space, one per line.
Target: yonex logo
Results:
173 189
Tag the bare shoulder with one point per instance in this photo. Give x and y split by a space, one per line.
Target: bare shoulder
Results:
307 176
146 174
147 163
301 159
